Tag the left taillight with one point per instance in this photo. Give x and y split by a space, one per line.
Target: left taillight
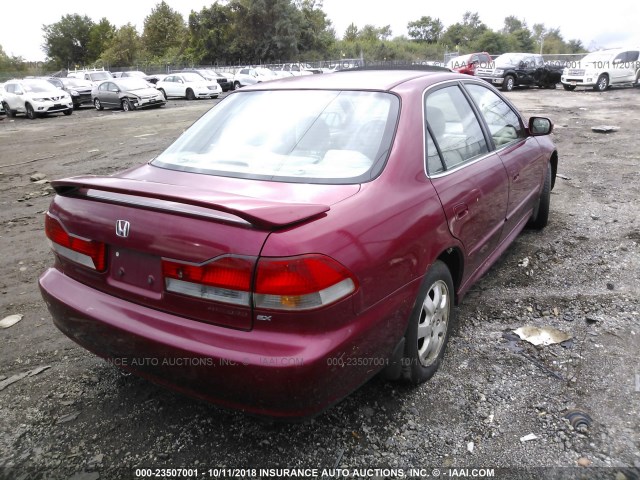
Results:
86 252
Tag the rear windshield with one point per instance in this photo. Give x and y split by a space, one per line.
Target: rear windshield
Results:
306 136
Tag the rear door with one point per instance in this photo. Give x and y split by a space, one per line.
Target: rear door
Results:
470 180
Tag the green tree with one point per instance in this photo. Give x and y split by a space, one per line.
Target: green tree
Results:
575 46
316 33
492 42
265 30
100 36
513 24
164 29
426 29
210 34
351 33
67 41
124 48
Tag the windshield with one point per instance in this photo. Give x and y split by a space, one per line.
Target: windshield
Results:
597 57
37 86
193 77
509 59
75 82
132 83
97 76
311 136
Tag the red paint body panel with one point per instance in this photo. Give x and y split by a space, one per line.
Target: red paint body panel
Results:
386 232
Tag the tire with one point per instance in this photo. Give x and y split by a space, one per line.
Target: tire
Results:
636 84
97 104
10 113
68 112
76 106
190 94
540 217
31 113
602 84
236 85
127 106
164 94
569 88
509 83
430 325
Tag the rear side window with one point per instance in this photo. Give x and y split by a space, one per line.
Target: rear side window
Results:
504 124
455 129
312 136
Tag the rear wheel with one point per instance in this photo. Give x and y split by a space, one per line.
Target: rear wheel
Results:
126 105
602 84
97 104
31 113
430 324
540 217
190 94
570 88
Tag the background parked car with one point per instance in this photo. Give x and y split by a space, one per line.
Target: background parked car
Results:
208 74
126 93
189 85
599 70
79 89
252 75
468 63
35 98
510 70
1 104
93 76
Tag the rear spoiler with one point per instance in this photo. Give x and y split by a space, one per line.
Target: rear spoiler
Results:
261 213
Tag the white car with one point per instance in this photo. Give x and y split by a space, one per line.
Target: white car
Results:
252 75
94 76
189 85
35 98
1 104
599 70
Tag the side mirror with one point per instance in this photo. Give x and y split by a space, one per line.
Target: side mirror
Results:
540 126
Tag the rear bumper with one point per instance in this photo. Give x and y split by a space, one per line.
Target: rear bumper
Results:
261 372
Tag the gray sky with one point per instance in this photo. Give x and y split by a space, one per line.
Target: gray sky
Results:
607 25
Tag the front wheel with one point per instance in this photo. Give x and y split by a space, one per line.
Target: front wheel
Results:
97 104
31 113
68 112
127 105
509 83
540 217
429 326
236 85
602 84
164 95
10 113
190 94
569 88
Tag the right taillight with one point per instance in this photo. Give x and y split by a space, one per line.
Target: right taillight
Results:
89 253
292 283
301 283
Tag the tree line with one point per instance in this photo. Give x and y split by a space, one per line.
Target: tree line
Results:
235 32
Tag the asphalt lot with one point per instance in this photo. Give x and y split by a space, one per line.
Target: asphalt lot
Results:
76 416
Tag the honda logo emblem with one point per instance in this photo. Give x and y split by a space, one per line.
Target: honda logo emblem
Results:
122 228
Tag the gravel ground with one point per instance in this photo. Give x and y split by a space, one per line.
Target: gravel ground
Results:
77 417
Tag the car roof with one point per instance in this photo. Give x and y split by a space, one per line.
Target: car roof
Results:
358 79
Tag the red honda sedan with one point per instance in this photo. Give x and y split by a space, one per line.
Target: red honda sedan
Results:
301 237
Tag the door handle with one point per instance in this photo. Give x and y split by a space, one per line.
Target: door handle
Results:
461 210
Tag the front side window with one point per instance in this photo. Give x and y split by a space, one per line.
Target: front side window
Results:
504 124
454 127
312 136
